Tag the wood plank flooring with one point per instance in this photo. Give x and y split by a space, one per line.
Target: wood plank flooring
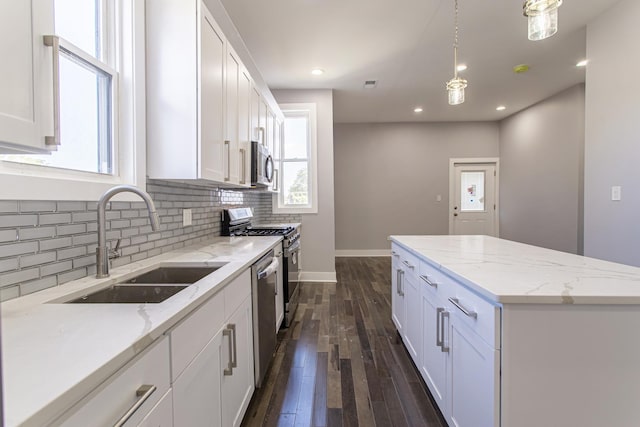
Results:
341 363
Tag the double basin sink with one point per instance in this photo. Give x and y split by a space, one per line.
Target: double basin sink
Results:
152 287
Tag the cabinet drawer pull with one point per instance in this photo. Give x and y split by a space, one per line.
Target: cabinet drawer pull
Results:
143 393
398 281
466 312
394 253
408 264
54 42
439 310
234 361
229 369
429 282
401 283
227 176
445 349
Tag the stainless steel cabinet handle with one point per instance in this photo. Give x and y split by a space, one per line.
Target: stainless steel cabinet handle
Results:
54 42
394 253
445 349
408 264
234 361
398 271
229 369
227 176
262 131
275 180
439 310
401 281
142 393
243 153
463 309
429 282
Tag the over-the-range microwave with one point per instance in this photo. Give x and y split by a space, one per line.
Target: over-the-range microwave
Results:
261 165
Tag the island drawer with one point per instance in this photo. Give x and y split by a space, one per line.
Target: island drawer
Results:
477 313
433 279
406 261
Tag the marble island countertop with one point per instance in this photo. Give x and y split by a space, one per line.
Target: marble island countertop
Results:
53 353
504 271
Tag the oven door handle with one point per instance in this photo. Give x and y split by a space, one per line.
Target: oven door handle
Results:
271 268
293 248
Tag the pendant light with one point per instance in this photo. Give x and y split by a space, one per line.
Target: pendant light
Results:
542 16
456 85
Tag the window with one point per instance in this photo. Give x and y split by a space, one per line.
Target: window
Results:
298 181
101 78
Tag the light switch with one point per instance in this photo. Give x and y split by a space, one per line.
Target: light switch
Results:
616 193
186 217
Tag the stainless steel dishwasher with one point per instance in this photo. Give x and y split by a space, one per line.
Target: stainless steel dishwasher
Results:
263 287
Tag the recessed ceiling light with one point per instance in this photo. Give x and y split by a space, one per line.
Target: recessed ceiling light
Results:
418 110
582 63
501 108
370 84
461 67
317 71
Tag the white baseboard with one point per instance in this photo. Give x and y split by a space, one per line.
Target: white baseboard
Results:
362 252
318 276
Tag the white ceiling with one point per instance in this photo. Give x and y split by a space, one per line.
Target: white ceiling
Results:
407 45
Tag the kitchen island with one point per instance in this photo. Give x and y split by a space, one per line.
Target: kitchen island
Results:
58 359
508 334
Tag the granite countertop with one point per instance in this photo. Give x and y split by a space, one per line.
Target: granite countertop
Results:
53 354
504 271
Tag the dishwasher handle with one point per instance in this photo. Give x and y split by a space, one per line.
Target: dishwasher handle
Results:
271 268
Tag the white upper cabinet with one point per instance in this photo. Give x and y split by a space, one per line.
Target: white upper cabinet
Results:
186 55
26 77
203 110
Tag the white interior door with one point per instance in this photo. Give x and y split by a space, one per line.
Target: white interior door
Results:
474 199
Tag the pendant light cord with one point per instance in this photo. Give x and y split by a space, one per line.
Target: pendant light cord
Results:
455 43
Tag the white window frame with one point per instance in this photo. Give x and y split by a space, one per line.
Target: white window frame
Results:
279 207
31 182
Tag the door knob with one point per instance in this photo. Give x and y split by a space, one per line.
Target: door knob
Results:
455 214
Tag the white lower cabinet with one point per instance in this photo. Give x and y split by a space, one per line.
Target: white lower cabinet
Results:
474 378
215 387
197 399
434 358
453 337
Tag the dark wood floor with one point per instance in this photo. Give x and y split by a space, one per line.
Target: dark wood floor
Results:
341 362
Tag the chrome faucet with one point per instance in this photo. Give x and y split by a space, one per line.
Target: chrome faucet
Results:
102 253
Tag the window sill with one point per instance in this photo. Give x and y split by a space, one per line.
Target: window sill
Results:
292 210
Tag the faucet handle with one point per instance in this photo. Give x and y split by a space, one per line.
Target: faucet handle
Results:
115 252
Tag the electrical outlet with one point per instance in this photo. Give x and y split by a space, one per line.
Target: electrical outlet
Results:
616 193
186 217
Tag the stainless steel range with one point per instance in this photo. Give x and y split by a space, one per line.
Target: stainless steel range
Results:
237 222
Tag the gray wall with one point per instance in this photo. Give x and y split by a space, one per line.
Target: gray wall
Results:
388 176
541 168
48 243
612 145
318 241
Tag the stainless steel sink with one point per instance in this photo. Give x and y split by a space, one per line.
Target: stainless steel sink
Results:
173 275
151 287
130 294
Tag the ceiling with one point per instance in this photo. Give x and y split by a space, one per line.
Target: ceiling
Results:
407 46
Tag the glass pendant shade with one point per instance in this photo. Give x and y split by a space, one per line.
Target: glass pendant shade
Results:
455 87
543 18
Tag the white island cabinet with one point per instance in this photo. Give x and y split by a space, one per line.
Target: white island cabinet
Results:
517 335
